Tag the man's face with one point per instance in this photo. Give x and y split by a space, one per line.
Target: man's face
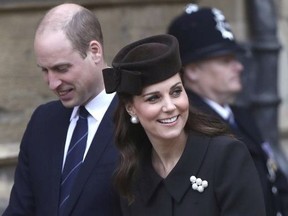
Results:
74 79
217 78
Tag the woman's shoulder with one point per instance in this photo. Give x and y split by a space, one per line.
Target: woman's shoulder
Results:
223 138
221 142
228 145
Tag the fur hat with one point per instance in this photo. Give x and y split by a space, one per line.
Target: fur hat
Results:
202 33
141 63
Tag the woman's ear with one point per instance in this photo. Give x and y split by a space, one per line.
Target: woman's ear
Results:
96 51
129 109
133 117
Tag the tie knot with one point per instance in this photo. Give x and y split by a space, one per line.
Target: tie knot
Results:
83 113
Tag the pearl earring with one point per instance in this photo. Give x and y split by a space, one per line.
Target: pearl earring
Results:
134 120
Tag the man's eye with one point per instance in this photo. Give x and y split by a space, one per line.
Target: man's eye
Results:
44 70
62 69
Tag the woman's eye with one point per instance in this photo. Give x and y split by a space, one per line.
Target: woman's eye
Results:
152 98
177 92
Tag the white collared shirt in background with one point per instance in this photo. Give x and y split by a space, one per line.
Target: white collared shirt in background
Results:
224 111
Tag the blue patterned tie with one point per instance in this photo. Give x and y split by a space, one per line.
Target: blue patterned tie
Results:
74 158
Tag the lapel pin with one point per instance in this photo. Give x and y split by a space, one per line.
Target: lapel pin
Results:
198 184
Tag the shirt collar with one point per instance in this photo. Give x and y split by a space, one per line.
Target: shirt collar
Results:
224 111
97 106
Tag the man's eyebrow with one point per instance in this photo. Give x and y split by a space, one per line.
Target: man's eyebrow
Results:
61 65
56 66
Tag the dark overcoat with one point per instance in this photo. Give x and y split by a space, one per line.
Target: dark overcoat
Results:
224 162
38 173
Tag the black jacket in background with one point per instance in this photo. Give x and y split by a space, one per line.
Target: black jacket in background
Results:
275 192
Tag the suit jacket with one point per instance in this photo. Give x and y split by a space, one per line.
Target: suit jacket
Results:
224 162
248 132
38 173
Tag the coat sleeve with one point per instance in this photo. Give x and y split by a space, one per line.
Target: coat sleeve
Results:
21 198
237 185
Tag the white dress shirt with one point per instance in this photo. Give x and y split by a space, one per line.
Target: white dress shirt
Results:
224 111
97 108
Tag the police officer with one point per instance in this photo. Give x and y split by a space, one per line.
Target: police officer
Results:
212 79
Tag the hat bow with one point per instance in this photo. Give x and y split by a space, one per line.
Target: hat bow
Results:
121 80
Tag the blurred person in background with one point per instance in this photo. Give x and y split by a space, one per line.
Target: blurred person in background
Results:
212 80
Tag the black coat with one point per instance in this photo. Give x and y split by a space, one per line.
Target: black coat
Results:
275 191
224 162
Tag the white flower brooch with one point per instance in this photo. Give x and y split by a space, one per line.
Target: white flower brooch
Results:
198 184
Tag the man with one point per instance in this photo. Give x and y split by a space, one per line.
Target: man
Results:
69 51
212 80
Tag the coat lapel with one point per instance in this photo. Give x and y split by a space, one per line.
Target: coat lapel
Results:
198 103
188 165
56 139
247 123
248 128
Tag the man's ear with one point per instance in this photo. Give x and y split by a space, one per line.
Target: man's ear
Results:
191 72
96 51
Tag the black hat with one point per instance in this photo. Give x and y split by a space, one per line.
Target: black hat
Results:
144 62
202 33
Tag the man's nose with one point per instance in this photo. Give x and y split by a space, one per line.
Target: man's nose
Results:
53 80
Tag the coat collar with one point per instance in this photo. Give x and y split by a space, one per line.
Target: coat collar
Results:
189 164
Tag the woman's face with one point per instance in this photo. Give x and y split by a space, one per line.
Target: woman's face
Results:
162 109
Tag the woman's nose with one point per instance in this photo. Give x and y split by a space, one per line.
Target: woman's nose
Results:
168 105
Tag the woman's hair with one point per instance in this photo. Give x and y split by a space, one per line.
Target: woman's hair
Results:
132 141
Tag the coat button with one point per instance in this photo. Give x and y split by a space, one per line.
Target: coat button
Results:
274 190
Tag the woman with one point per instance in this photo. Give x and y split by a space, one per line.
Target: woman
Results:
174 161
